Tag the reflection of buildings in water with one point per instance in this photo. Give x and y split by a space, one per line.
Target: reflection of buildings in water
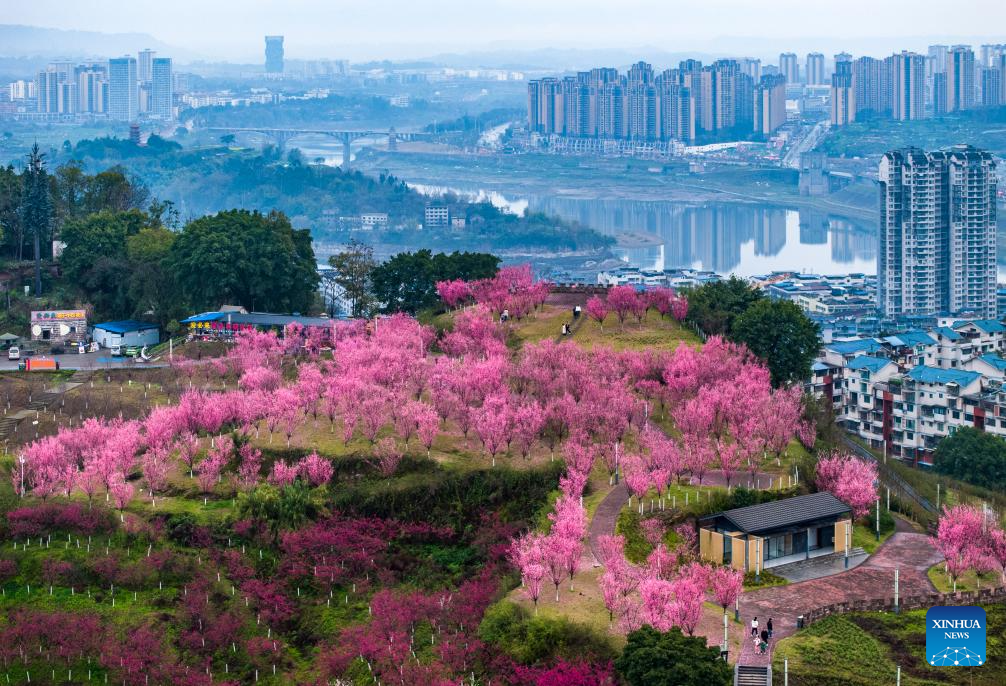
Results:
711 236
644 257
769 231
848 244
813 227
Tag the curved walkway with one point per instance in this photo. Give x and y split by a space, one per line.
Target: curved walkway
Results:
910 552
606 514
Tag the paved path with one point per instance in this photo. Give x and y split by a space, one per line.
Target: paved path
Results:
908 551
606 515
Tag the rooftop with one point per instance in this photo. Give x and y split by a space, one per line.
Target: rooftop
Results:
995 361
911 338
125 325
257 319
857 345
925 374
784 513
947 333
873 364
987 325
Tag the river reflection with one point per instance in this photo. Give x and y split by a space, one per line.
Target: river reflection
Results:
742 239
723 237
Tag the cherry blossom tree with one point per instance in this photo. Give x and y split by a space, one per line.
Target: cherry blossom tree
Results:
851 480
315 469
961 538
597 310
388 455
528 421
623 300
122 493
250 466
283 473
727 584
494 424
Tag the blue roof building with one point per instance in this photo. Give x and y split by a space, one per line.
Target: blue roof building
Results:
869 363
935 375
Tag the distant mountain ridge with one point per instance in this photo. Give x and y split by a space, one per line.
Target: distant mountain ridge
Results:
20 41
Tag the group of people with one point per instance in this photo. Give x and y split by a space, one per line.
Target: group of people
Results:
761 638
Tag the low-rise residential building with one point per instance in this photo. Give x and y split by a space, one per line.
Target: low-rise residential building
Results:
903 393
371 220
651 278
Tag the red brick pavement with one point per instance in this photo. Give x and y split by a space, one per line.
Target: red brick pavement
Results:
912 553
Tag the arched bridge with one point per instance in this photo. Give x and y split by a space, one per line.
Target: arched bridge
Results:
283 136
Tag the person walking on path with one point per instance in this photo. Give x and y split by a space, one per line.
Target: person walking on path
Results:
764 636
754 626
769 627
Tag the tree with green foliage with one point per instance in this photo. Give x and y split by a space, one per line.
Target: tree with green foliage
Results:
652 658
36 208
10 210
780 333
353 269
971 455
151 285
255 260
407 281
714 306
279 509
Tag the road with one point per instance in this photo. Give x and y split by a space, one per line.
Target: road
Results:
809 142
99 360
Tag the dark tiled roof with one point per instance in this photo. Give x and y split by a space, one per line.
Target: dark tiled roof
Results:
788 512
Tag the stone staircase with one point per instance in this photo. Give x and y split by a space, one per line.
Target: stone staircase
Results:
7 426
749 675
42 401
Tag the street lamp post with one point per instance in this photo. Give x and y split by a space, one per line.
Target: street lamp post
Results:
897 575
878 519
847 543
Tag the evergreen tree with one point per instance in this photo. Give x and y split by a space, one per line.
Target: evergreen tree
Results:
36 207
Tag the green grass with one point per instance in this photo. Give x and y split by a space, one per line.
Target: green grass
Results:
969 581
653 333
864 532
861 649
765 579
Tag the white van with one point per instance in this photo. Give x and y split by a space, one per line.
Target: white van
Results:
14 353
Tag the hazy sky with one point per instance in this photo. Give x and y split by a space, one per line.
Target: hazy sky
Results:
231 29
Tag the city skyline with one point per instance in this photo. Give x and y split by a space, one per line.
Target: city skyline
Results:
413 31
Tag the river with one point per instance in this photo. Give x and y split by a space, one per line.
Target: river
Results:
729 238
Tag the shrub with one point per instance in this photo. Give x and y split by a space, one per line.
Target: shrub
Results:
50 518
534 640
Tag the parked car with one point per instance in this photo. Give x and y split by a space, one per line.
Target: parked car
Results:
14 353
116 350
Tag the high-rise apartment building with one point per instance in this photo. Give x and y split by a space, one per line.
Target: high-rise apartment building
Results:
161 89
871 85
600 103
991 52
960 79
274 54
937 250
789 65
751 67
843 96
908 85
145 65
815 69
769 104
123 97
991 87
92 89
